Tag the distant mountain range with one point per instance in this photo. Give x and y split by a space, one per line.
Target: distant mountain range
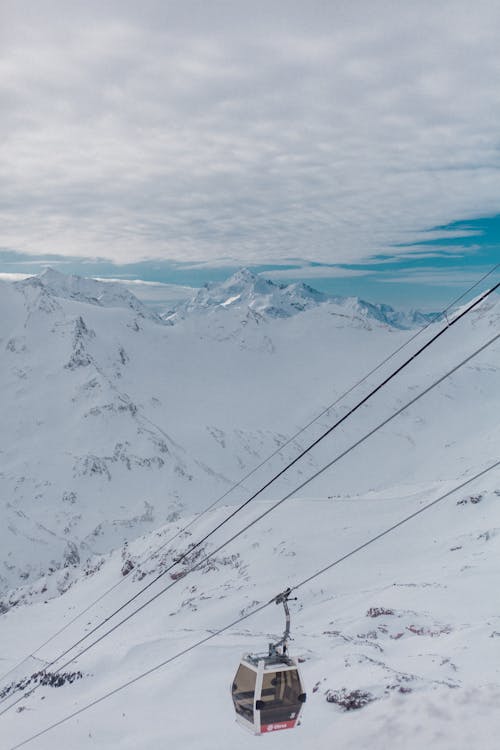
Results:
245 289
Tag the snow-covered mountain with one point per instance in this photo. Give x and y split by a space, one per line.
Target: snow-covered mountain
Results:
57 285
117 428
246 291
71 430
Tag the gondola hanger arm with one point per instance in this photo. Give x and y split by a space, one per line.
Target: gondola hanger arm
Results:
282 598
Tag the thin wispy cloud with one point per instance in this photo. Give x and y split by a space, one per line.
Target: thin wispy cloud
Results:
253 132
316 272
13 276
154 293
455 278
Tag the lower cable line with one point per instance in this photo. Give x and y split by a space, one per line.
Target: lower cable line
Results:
254 611
262 515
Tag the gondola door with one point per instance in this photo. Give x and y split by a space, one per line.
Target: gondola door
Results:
280 699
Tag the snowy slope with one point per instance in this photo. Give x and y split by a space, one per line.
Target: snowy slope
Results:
408 621
116 424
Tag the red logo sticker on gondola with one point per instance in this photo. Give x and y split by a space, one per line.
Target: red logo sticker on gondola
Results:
278 725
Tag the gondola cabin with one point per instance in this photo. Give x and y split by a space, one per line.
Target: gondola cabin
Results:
268 693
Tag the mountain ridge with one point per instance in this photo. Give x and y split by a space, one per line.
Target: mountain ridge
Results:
87 290
244 289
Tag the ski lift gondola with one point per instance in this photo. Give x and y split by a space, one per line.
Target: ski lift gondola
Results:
267 691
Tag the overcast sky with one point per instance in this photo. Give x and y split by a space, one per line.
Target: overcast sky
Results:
246 133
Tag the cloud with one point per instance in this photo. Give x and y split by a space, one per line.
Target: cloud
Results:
158 295
315 272
14 276
456 278
327 131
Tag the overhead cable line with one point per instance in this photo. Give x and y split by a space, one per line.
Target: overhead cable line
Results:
243 479
252 523
253 612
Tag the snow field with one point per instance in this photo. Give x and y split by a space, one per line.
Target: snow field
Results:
115 422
